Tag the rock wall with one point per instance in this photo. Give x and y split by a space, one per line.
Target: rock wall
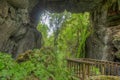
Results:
17 31
75 6
104 42
96 42
18 20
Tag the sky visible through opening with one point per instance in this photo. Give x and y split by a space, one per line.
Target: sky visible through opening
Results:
53 20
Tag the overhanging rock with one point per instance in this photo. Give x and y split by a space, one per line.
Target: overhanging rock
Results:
71 5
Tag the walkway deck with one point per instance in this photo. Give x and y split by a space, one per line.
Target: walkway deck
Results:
84 67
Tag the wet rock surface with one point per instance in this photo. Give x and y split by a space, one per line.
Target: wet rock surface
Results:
17 34
104 42
18 20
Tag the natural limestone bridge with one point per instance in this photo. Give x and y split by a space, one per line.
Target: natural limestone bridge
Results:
19 18
85 68
71 5
18 33
57 6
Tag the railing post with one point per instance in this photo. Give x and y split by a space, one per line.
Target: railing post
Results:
92 70
80 70
86 68
116 71
103 69
84 71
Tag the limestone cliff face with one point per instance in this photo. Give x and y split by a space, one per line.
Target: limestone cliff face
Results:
17 32
104 42
98 41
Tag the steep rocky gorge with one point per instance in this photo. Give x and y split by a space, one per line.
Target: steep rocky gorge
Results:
19 18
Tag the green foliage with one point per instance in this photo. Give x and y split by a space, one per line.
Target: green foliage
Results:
74 33
70 33
40 64
68 40
9 69
53 24
43 29
95 70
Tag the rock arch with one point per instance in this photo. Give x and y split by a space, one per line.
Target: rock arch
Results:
18 20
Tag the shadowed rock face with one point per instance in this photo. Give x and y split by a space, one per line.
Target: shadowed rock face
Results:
17 33
57 6
75 6
18 20
104 42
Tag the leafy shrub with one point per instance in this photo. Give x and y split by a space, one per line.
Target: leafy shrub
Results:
43 64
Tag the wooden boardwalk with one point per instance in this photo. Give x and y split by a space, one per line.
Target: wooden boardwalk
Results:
83 68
